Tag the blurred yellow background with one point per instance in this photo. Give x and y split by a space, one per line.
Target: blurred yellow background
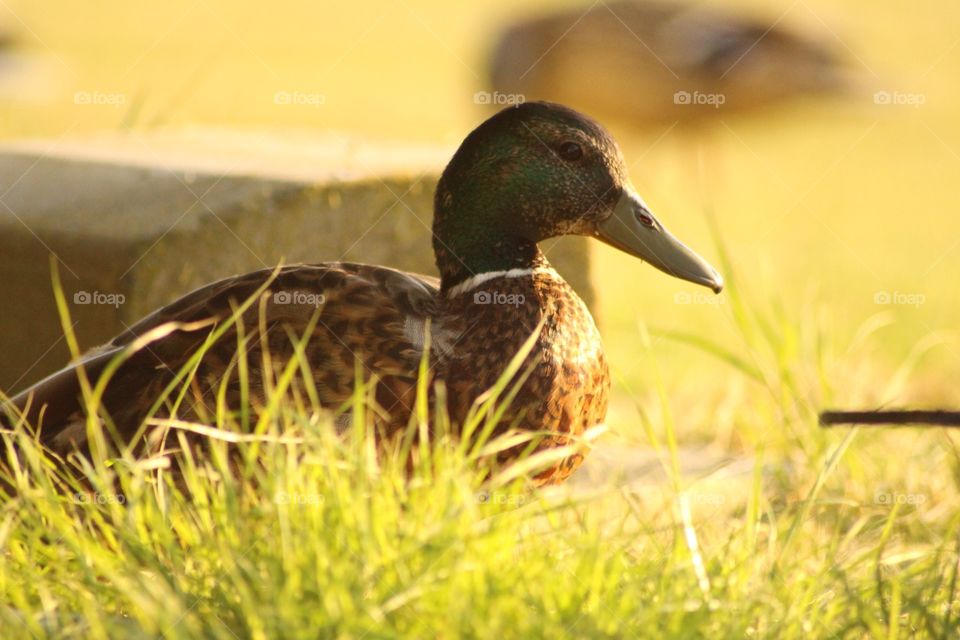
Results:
825 205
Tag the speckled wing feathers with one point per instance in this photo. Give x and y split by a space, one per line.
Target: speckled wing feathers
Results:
359 314
354 318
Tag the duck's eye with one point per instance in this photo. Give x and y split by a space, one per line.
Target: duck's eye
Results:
644 218
571 151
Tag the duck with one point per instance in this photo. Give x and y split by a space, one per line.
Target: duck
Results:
645 63
528 173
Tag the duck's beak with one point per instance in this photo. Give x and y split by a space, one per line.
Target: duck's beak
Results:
634 229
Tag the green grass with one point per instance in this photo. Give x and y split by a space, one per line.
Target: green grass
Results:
823 204
307 534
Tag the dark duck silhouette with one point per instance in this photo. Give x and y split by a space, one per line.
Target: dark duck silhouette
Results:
646 62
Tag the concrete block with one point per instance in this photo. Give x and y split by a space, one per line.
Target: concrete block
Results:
136 220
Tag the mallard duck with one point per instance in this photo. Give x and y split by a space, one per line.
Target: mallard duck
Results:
648 62
528 173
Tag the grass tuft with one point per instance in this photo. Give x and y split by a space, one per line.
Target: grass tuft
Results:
283 527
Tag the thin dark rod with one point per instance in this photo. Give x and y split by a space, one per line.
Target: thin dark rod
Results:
895 417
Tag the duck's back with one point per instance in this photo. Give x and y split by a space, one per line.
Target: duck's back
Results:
350 318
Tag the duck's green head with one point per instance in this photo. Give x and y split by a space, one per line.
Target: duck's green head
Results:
540 170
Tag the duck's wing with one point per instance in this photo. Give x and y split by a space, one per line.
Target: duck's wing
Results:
358 315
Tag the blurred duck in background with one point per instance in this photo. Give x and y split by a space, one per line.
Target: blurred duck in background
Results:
646 63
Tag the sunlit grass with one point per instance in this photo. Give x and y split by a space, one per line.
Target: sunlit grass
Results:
300 532
833 533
